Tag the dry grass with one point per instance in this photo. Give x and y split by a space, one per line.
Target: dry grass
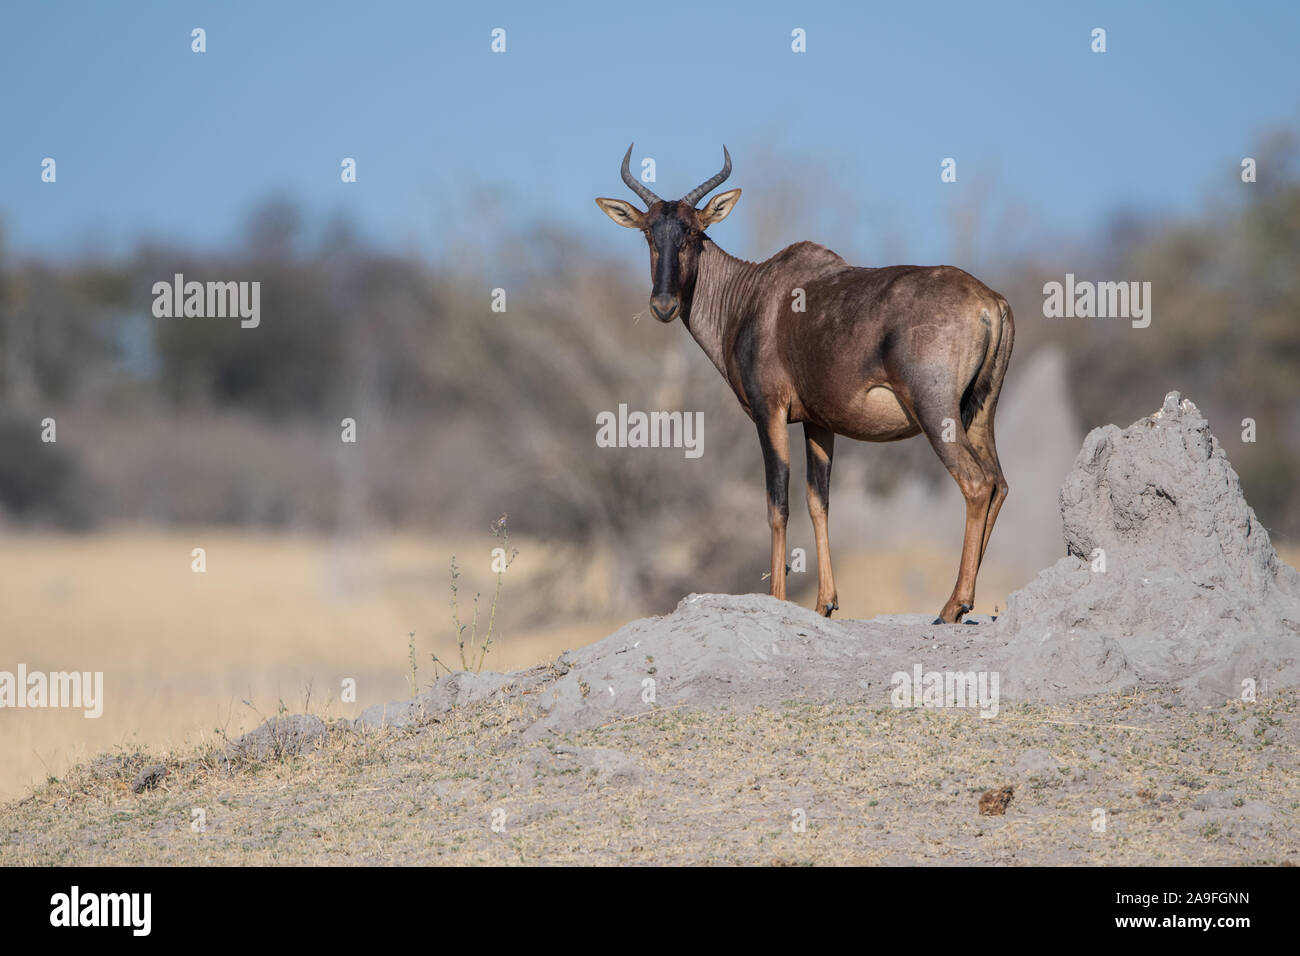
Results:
876 785
275 616
272 618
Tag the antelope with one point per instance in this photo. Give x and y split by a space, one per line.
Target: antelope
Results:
871 354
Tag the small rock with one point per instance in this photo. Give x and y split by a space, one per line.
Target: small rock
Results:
148 778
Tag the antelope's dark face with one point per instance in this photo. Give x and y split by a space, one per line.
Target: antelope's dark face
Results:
675 234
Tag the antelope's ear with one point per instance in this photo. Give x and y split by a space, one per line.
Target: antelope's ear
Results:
718 208
623 213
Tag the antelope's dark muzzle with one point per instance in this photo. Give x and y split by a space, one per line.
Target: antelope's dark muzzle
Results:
664 307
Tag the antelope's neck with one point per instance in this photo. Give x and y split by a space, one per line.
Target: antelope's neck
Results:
723 287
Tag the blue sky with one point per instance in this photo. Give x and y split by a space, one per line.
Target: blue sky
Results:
152 139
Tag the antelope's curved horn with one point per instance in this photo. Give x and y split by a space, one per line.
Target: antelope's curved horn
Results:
706 187
635 184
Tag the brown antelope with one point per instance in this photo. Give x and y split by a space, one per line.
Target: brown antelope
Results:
871 354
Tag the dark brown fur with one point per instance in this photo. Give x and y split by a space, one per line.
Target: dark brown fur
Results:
878 355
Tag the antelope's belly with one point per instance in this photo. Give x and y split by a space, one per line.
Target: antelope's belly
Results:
875 414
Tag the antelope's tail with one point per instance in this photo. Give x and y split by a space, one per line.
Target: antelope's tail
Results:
988 380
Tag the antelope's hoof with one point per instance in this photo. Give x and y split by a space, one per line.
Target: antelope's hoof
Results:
827 608
956 615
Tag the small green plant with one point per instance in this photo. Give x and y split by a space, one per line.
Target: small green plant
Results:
500 562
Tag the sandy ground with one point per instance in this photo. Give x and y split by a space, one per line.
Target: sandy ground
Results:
1114 779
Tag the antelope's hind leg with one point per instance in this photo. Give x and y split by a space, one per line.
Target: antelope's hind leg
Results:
981 438
820 446
978 484
980 429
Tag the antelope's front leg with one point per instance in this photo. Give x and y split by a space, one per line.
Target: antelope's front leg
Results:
820 445
773 436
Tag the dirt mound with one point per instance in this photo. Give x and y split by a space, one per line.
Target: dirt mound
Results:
743 649
1168 579
1168 575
